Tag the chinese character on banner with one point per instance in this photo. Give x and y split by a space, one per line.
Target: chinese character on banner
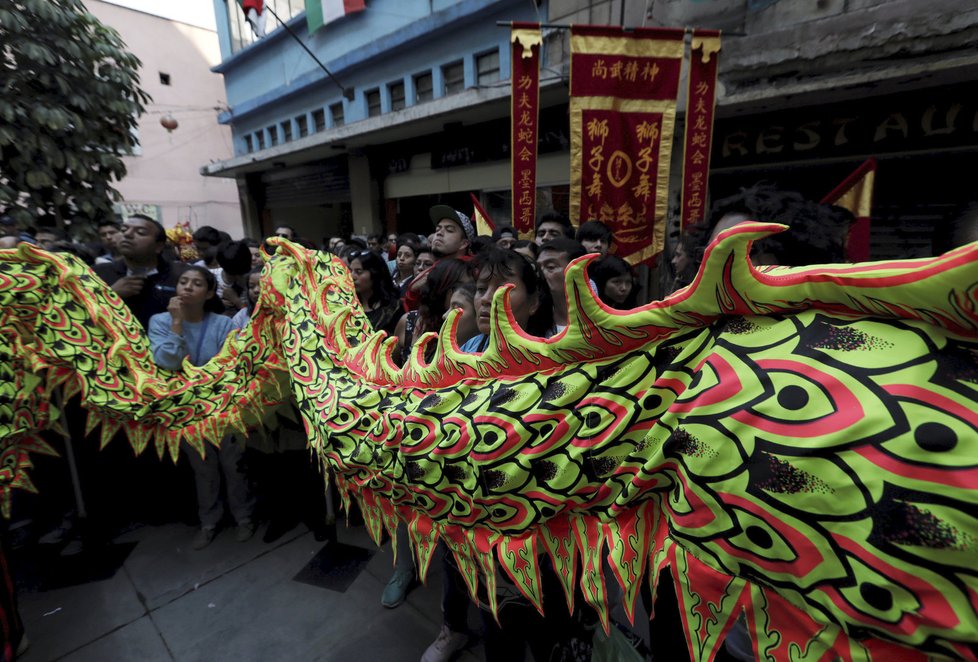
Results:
525 112
623 114
700 104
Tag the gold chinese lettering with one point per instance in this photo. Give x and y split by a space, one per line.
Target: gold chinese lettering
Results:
599 70
597 129
700 123
647 131
626 215
650 71
525 101
631 71
525 135
526 118
702 88
645 159
526 154
644 187
525 82
615 70
607 213
699 139
697 157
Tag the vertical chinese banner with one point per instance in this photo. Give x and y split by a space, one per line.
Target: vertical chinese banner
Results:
622 118
700 106
525 77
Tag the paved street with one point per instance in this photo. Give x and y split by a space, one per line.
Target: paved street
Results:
232 601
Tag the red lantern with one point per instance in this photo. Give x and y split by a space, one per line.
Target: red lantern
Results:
169 122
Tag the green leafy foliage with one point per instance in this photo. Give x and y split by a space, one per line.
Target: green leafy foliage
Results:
69 101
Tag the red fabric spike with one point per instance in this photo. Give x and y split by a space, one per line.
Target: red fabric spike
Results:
424 536
558 538
710 603
629 537
590 542
518 557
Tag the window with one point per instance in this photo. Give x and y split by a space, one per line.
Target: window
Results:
249 145
487 67
260 140
302 124
286 131
336 113
318 120
272 136
397 95
454 75
241 32
373 102
424 88
164 78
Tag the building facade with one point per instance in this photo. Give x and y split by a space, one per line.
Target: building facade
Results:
163 177
417 110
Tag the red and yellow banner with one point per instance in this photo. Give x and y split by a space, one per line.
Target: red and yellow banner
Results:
855 193
525 113
622 118
700 106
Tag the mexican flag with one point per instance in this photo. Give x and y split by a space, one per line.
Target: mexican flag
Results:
322 12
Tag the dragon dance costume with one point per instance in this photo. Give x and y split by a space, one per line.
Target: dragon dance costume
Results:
799 445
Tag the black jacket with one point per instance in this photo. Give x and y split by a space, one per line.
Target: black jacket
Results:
156 293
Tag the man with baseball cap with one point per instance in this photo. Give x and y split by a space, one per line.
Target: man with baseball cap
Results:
454 234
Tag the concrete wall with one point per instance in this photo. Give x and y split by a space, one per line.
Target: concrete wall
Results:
275 81
166 170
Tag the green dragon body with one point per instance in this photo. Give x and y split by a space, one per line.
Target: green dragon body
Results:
800 445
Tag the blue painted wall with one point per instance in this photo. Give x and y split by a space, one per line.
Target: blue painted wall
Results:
274 80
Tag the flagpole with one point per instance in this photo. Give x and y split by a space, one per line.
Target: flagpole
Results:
347 93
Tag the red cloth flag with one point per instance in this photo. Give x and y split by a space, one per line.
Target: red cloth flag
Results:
855 193
255 15
622 116
525 114
700 106
483 224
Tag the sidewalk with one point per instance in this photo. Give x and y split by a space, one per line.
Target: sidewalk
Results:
234 601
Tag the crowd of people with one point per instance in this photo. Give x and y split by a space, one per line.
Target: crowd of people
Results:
407 283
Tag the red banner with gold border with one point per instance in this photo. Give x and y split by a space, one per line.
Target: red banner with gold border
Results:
525 114
622 118
701 97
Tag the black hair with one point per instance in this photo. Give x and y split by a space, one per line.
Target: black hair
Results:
234 257
384 290
410 240
507 262
295 235
256 271
595 231
212 304
608 267
526 243
479 244
59 233
160 230
208 234
379 238
498 233
106 220
442 279
556 217
817 233
251 243
573 248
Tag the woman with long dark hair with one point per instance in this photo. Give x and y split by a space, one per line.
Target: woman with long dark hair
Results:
375 288
435 300
194 329
615 281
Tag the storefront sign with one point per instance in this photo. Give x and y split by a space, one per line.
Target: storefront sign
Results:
946 118
622 116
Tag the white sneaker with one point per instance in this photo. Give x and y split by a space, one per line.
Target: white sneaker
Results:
445 646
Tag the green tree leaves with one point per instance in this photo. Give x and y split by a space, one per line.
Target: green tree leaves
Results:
69 101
